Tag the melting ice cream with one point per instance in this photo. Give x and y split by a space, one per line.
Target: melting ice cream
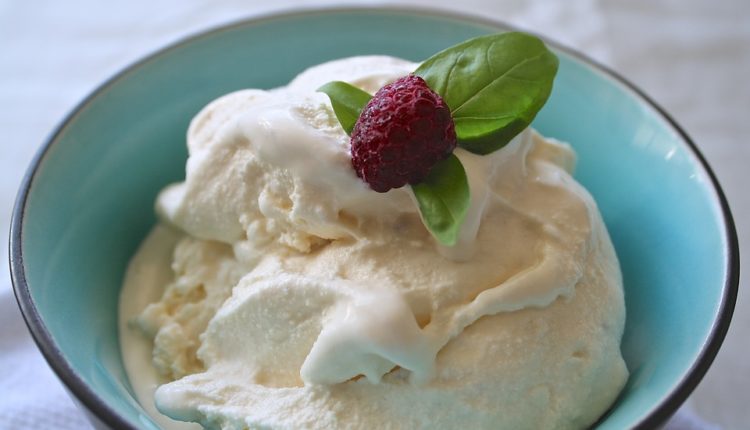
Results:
279 291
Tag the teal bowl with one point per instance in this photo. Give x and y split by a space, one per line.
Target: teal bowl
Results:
87 200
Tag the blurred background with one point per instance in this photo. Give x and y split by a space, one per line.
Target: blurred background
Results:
691 56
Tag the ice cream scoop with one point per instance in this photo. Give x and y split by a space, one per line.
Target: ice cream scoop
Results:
323 304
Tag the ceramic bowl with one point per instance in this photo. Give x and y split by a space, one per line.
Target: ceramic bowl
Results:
87 200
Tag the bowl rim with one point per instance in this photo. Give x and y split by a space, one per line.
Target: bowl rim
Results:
86 396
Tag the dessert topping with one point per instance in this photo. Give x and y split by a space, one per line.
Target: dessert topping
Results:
477 95
402 132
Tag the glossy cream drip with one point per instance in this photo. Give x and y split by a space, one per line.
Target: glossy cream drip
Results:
559 269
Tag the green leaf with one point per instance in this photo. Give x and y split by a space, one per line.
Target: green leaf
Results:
443 199
347 101
494 86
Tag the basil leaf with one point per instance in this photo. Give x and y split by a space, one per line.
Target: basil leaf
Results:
494 86
443 199
347 101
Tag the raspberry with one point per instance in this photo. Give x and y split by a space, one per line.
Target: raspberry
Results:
403 131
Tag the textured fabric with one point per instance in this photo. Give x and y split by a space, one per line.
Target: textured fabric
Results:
31 396
691 56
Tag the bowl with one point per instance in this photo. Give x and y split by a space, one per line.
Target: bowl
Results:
87 199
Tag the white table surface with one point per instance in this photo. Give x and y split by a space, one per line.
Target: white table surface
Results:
691 56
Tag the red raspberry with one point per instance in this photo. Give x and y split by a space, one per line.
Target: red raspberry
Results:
404 130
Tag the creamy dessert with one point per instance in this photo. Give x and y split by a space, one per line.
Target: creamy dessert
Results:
280 291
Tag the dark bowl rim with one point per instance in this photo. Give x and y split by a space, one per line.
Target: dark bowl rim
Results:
657 416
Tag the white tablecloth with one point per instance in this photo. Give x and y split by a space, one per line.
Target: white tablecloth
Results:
693 57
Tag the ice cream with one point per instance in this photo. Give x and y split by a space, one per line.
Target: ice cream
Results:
299 298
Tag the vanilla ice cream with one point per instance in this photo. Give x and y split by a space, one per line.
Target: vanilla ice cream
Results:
281 292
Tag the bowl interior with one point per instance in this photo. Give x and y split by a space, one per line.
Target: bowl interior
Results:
91 199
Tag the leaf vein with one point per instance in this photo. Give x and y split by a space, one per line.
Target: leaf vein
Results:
484 87
485 117
450 73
